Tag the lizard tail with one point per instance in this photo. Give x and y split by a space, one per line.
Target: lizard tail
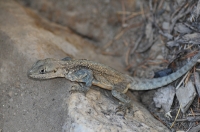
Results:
148 84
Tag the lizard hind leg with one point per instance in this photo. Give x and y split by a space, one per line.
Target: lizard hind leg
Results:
124 99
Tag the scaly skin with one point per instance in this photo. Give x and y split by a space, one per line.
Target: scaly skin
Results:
148 84
93 73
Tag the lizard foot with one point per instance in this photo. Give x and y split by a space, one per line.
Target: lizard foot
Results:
123 108
79 88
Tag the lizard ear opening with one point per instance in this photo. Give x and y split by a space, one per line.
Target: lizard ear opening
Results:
67 59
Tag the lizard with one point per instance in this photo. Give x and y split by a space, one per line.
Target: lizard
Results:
90 73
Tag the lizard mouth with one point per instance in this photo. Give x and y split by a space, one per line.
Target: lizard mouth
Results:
53 74
41 76
36 76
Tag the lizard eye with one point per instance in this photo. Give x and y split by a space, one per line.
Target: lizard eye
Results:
42 71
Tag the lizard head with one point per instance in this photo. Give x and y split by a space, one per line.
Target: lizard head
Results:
45 69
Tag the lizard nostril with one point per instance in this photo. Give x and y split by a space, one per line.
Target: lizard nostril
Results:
29 72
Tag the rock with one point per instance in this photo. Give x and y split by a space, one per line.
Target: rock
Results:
47 105
192 38
195 129
88 114
197 83
186 95
164 97
89 20
165 25
181 28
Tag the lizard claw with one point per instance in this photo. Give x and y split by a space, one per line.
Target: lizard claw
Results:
122 108
79 88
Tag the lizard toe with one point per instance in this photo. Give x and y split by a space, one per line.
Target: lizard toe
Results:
122 109
79 88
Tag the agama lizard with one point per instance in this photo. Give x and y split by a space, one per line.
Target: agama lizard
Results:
92 73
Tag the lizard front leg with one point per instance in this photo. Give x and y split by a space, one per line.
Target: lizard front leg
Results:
83 76
122 97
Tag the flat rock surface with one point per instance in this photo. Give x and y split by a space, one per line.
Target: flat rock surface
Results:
36 106
164 97
186 95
